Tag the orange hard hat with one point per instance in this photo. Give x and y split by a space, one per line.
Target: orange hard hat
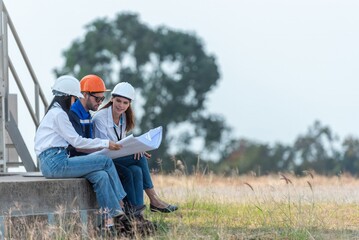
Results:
92 83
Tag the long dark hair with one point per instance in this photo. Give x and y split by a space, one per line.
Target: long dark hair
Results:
64 101
130 116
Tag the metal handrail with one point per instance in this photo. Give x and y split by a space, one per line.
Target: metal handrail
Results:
28 64
5 115
23 93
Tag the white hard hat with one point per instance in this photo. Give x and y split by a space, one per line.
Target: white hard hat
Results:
68 85
124 89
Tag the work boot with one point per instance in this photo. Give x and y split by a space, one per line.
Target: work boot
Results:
132 211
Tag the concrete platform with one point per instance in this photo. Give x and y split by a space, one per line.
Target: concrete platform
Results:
30 193
31 196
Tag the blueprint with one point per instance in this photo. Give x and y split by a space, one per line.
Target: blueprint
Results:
130 145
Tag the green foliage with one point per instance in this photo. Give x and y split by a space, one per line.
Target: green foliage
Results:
350 161
170 70
317 150
258 158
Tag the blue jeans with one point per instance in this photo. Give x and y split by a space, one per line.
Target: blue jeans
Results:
135 180
99 170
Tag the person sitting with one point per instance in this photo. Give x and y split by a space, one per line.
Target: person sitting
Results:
113 121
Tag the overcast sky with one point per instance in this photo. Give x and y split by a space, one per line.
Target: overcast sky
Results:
283 64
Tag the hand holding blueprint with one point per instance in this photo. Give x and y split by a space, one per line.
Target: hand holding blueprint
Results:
131 145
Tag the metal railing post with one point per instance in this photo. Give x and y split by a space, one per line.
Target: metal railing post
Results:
3 86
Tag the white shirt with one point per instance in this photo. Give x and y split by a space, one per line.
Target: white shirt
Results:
104 126
56 130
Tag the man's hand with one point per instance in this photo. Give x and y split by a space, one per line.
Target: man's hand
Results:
114 146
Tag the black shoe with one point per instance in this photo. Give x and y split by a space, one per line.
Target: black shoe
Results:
133 211
168 209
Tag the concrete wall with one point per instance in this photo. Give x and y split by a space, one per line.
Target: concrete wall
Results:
26 195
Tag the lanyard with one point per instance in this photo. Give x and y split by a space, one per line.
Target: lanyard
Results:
114 128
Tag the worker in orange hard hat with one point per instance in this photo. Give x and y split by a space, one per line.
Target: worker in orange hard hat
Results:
93 89
92 83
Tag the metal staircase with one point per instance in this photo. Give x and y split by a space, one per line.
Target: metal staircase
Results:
8 124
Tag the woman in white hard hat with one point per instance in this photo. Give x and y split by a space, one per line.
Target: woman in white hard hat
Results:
112 122
54 135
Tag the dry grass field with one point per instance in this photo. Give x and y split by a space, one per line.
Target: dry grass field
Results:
243 207
271 207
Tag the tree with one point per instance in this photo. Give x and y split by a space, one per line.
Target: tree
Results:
169 69
350 161
256 157
315 151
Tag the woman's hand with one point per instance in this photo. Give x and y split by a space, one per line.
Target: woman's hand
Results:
147 155
114 146
137 156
